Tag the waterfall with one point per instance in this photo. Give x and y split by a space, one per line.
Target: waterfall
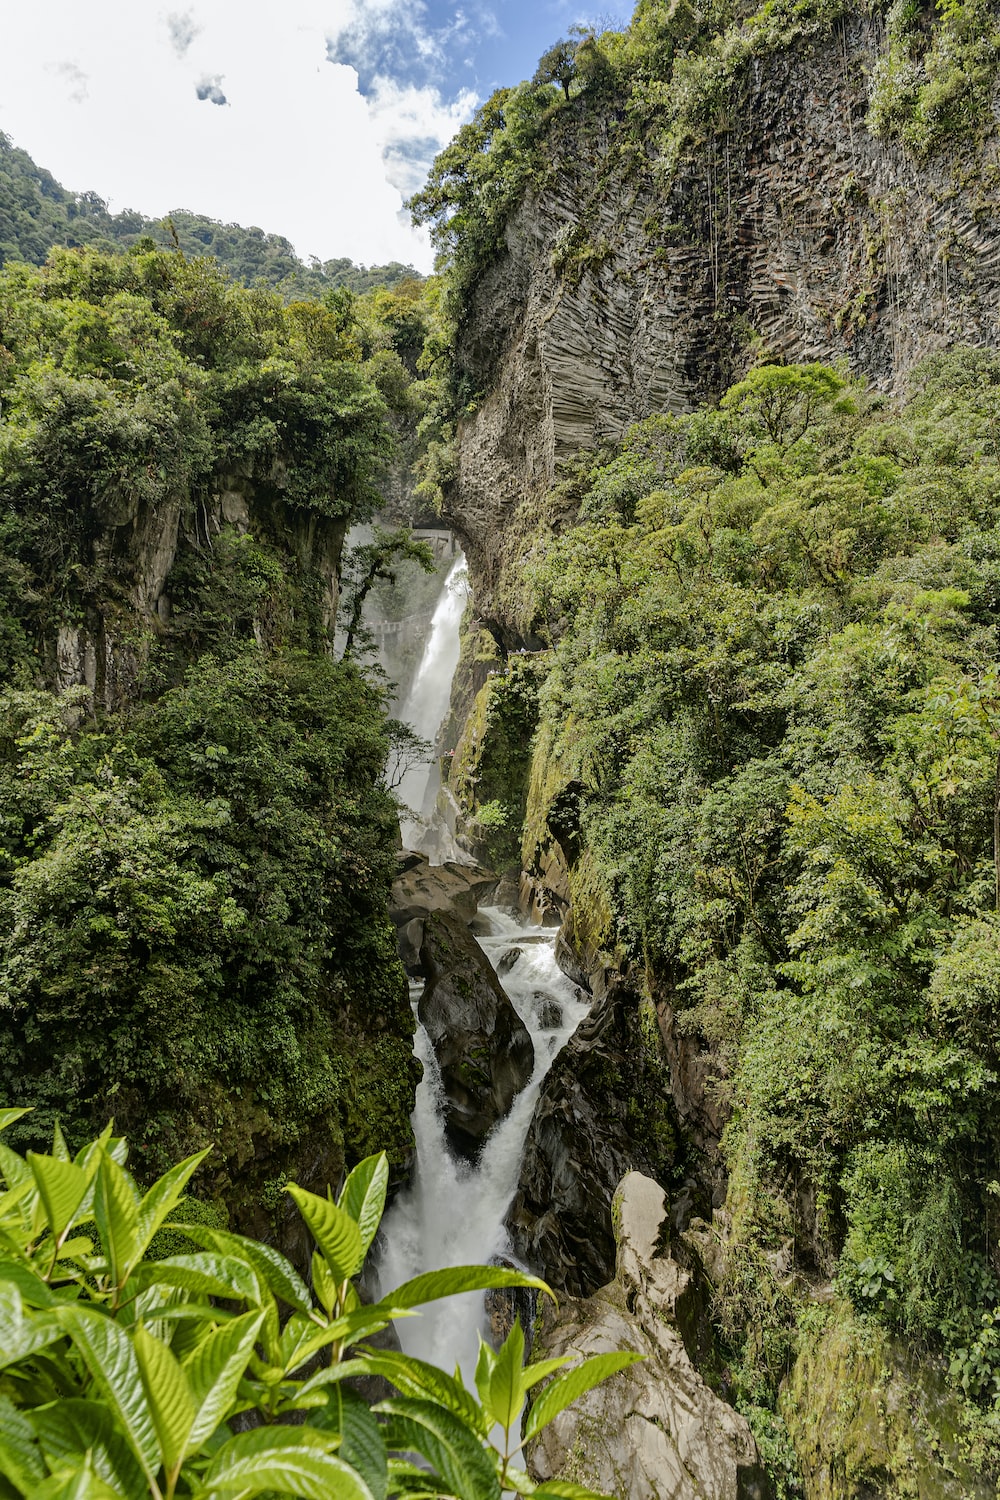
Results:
452 1212
427 701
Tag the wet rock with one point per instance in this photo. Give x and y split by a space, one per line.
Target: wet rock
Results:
482 1046
507 1305
508 960
655 1429
605 1107
550 1015
421 887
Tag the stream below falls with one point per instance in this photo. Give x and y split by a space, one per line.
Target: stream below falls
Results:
452 1211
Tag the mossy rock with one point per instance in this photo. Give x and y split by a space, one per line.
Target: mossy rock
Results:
870 1422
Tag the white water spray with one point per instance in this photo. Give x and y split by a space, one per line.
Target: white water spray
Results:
452 1212
427 701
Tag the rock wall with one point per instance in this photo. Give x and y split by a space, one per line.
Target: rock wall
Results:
790 231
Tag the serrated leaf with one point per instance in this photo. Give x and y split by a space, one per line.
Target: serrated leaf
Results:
363 1196
454 1280
20 1335
168 1395
70 1428
20 1459
573 1383
334 1231
271 1267
484 1369
454 1452
163 1197
107 1352
214 1370
507 1390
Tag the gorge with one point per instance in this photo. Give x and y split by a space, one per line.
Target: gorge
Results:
698 898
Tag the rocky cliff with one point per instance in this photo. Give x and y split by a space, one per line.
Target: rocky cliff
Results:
636 280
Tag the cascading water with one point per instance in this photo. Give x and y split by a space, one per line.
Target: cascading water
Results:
452 1212
427 701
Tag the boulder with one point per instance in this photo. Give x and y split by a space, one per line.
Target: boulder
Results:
420 888
655 1429
482 1046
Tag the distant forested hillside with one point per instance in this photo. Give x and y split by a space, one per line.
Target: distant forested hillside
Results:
37 212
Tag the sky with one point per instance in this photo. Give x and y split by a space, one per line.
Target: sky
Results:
314 119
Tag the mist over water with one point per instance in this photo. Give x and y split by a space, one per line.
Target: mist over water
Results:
426 703
452 1212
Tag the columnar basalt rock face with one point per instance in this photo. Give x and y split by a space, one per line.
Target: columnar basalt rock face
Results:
655 1429
792 231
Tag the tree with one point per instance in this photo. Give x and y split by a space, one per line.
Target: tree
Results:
557 65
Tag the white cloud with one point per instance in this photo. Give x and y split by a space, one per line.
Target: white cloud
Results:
106 96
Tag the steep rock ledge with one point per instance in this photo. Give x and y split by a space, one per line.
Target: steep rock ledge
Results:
790 229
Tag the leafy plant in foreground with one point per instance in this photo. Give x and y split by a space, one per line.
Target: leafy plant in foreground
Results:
219 1374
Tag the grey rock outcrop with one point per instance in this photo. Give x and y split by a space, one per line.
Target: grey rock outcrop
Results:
421 888
604 1108
790 229
481 1044
654 1430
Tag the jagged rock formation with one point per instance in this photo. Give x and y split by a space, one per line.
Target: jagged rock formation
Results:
482 1046
604 1108
655 1429
790 230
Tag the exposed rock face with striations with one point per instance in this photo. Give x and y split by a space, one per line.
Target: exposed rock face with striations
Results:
655 1429
792 230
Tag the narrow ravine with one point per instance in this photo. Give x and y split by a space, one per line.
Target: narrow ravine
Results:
452 1212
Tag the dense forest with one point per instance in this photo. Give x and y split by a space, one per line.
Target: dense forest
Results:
727 471
37 213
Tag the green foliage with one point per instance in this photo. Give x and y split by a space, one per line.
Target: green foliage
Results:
37 214
217 1371
772 685
935 83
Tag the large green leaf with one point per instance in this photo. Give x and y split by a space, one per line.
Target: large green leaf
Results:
70 1428
205 1273
109 1356
506 1383
62 1187
270 1265
168 1394
20 1459
572 1383
79 1483
334 1231
214 1370
361 1442
14 1168
414 1377
116 1213
20 1335
33 1290
457 1279
456 1454
294 1461
8 1116
363 1196
163 1197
